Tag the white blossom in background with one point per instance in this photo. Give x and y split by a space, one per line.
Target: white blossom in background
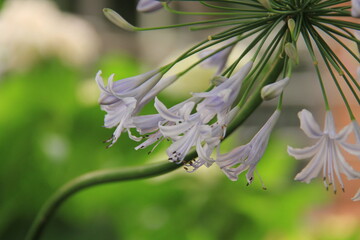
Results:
37 29
325 154
247 157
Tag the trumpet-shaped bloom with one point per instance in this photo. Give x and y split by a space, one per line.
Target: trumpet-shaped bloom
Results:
147 6
355 8
186 130
122 99
219 100
325 154
205 150
246 157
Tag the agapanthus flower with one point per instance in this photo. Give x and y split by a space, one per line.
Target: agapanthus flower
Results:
220 99
325 154
247 157
355 8
186 131
121 100
218 130
147 6
217 60
147 124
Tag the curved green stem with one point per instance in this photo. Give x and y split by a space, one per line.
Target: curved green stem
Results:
139 172
92 179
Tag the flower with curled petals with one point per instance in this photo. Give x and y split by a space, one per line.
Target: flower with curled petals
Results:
325 154
122 99
219 100
246 157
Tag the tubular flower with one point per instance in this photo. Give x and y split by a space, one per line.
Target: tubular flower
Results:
219 100
121 100
246 157
325 153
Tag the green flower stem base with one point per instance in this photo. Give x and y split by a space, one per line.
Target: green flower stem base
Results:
139 172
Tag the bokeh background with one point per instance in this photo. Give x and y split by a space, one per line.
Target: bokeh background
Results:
51 132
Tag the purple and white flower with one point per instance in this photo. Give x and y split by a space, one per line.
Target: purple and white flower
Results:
247 157
220 99
123 99
325 154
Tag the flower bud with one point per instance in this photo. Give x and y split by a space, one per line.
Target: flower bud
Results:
118 20
291 52
291 25
273 90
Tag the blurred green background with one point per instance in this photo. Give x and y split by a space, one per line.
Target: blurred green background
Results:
50 133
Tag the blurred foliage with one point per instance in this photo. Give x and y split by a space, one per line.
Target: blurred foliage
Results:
51 132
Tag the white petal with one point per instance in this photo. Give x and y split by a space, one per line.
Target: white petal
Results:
313 168
304 153
164 112
357 196
309 125
351 148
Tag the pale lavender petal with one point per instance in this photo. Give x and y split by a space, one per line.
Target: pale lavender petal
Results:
304 153
164 112
351 148
357 196
309 125
313 168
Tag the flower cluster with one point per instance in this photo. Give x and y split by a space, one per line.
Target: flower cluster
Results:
197 126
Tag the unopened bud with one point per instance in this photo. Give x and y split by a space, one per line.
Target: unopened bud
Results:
273 90
118 20
291 26
292 52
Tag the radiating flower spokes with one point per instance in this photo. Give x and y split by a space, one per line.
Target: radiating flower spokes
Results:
325 154
246 157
